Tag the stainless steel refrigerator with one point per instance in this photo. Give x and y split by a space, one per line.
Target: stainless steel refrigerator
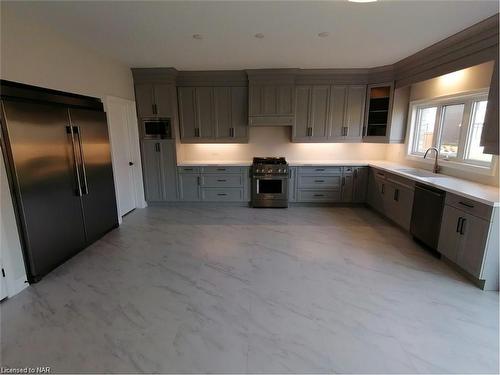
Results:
57 153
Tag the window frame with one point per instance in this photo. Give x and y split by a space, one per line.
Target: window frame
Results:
468 99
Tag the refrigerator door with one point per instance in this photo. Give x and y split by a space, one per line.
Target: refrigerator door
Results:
41 157
98 199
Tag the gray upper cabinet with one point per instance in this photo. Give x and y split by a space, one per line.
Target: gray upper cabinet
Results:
302 109
213 114
159 166
273 99
354 112
154 99
338 106
311 113
319 111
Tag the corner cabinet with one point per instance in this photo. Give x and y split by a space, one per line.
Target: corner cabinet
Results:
159 170
213 114
386 113
326 113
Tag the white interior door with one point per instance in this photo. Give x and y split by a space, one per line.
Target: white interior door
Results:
126 163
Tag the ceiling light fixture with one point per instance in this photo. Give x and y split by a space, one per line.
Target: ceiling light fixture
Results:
197 36
259 35
324 34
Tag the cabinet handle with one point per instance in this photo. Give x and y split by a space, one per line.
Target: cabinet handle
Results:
396 195
221 169
231 132
458 224
319 169
319 195
196 132
309 131
355 173
221 180
155 109
199 180
319 180
157 147
343 181
222 194
188 169
462 230
466 204
383 189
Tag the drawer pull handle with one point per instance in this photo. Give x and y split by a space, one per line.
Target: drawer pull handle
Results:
458 224
222 194
466 204
319 195
319 169
188 169
221 180
319 180
221 169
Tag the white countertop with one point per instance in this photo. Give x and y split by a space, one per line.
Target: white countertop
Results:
486 194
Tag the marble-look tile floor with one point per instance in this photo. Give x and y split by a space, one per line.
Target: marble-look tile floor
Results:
234 289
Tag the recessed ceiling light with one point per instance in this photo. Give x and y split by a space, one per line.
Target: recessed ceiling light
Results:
324 34
362 1
197 36
259 35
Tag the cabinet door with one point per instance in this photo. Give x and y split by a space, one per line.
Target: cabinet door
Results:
239 112
144 98
355 110
270 100
376 191
319 111
168 167
152 167
292 185
360 184
337 109
189 187
205 112
473 235
255 100
449 236
402 206
223 123
301 128
347 188
187 112
285 100
164 99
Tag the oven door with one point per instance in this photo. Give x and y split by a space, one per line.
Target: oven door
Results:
269 188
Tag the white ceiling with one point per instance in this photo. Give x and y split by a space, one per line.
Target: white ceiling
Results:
147 34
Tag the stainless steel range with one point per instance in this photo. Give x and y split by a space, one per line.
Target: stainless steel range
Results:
270 182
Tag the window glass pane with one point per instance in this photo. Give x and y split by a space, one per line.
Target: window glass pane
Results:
426 120
450 129
475 151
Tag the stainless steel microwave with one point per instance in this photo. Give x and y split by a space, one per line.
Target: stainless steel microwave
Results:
157 128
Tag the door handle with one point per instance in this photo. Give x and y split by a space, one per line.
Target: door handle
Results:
85 191
458 224
69 130
462 229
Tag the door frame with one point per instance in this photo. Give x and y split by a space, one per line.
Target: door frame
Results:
133 137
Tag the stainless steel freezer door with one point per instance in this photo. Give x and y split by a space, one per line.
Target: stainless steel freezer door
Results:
99 201
46 188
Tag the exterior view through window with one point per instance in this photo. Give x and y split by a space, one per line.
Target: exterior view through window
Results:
453 125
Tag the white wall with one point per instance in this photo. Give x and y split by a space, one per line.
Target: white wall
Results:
275 141
35 54
473 78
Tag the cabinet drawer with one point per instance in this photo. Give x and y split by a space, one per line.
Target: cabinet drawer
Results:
221 195
319 196
320 182
468 205
317 171
222 180
188 169
221 169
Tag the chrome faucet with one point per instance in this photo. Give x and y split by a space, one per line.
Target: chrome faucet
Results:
436 165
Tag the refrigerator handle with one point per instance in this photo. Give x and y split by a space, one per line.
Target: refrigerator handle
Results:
85 189
69 130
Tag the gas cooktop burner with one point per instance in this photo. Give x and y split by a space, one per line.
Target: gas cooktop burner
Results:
271 160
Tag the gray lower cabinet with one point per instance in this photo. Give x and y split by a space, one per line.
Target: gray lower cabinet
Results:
159 167
354 184
376 190
469 238
213 184
292 185
319 184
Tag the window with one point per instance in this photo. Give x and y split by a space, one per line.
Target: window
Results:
452 125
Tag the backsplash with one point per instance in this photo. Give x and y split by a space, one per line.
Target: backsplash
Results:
275 141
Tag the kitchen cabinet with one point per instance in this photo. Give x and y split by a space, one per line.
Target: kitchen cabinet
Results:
347 113
292 184
159 170
354 184
213 114
319 184
154 100
329 113
273 99
469 238
386 113
376 190
189 187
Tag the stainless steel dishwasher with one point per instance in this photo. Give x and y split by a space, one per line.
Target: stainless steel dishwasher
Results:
428 204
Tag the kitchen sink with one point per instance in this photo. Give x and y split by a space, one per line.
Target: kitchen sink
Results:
419 173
